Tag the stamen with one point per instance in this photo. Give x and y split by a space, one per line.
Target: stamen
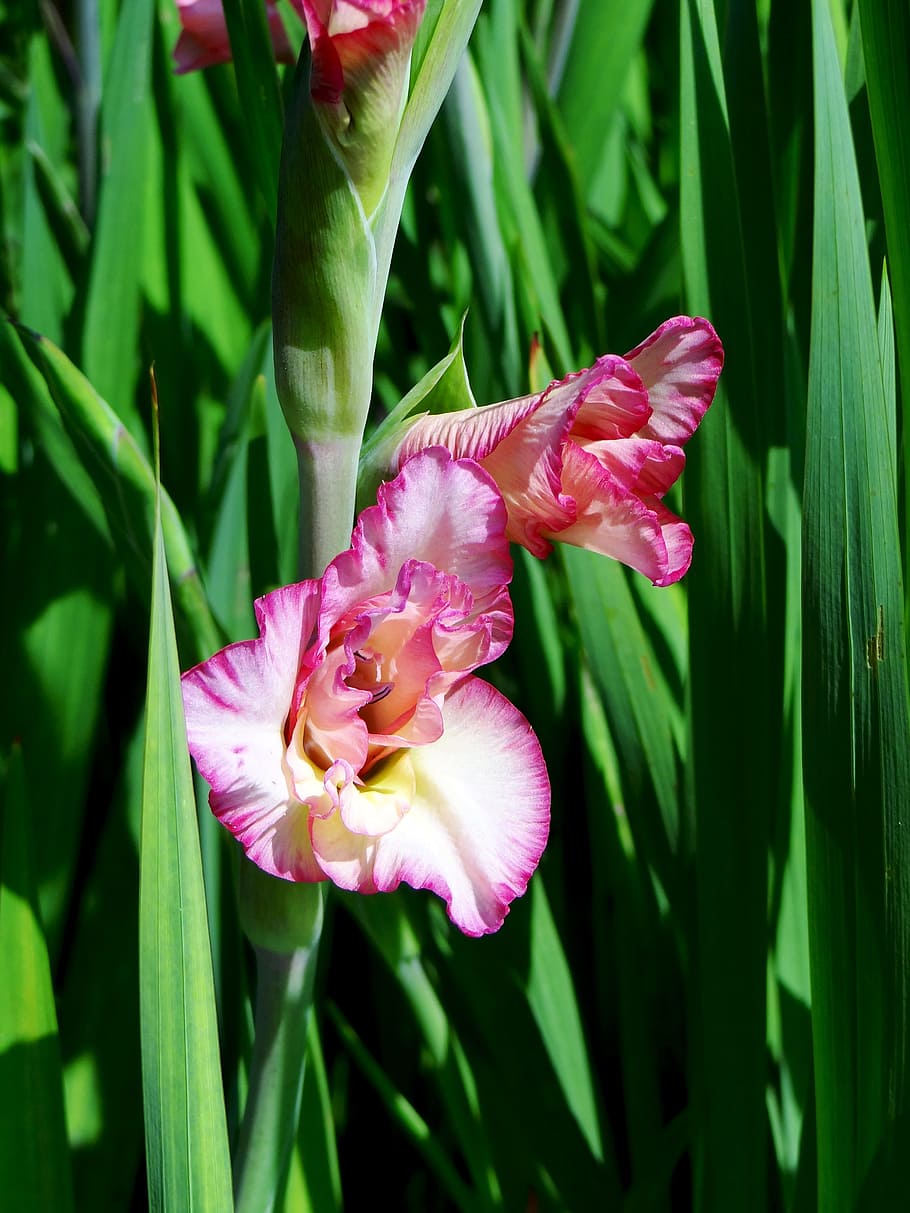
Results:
381 693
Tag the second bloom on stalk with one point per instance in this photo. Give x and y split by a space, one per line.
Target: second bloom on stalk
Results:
350 741
588 461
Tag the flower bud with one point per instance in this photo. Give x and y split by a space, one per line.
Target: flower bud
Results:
340 132
361 54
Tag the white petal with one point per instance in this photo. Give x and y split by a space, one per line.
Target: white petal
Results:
479 819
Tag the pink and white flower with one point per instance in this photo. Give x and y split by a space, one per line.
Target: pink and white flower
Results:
204 41
589 460
352 742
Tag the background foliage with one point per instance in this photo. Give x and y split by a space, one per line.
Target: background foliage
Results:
702 1002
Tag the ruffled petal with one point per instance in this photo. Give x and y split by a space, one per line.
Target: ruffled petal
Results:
478 819
679 365
447 513
480 815
644 465
612 400
616 522
236 706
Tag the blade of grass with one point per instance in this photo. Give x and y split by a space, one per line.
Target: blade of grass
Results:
116 255
34 1159
638 705
186 1132
605 38
855 752
260 96
127 485
735 595
886 51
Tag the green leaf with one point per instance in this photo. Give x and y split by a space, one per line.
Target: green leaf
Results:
127 485
886 51
551 996
34 1160
736 594
443 389
467 124
110 357
403 1113
260 96
444 34
186 1133
637 702
856 724
605 37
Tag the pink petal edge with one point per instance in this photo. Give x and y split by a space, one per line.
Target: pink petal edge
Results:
478 822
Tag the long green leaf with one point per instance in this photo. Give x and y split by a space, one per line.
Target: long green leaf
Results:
126 484
856 727
605 37
112 301
886 51
260 97
185 1128
34 1161
638 706
734 595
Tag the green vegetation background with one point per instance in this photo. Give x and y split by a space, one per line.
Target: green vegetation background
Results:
702 1002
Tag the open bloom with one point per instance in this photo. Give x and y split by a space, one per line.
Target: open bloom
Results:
350 741
204 40
589 460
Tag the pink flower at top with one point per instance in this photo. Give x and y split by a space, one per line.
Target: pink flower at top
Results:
352 742
589 460
203 41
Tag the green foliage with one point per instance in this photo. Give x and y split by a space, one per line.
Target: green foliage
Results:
702 1002
185 1131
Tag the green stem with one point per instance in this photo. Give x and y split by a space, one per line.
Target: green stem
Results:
284 923
284 996
328 486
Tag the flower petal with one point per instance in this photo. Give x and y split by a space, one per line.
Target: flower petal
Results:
204 41
679 365
613 520
469 433
612 400
478 820
445 512
236 705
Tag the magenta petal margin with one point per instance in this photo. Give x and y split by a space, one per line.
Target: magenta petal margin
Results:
589 460
351 741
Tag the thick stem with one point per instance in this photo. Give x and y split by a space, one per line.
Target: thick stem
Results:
328 486
284 996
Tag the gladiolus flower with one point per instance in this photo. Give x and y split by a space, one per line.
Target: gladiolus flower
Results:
351 741
589 460
204 40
